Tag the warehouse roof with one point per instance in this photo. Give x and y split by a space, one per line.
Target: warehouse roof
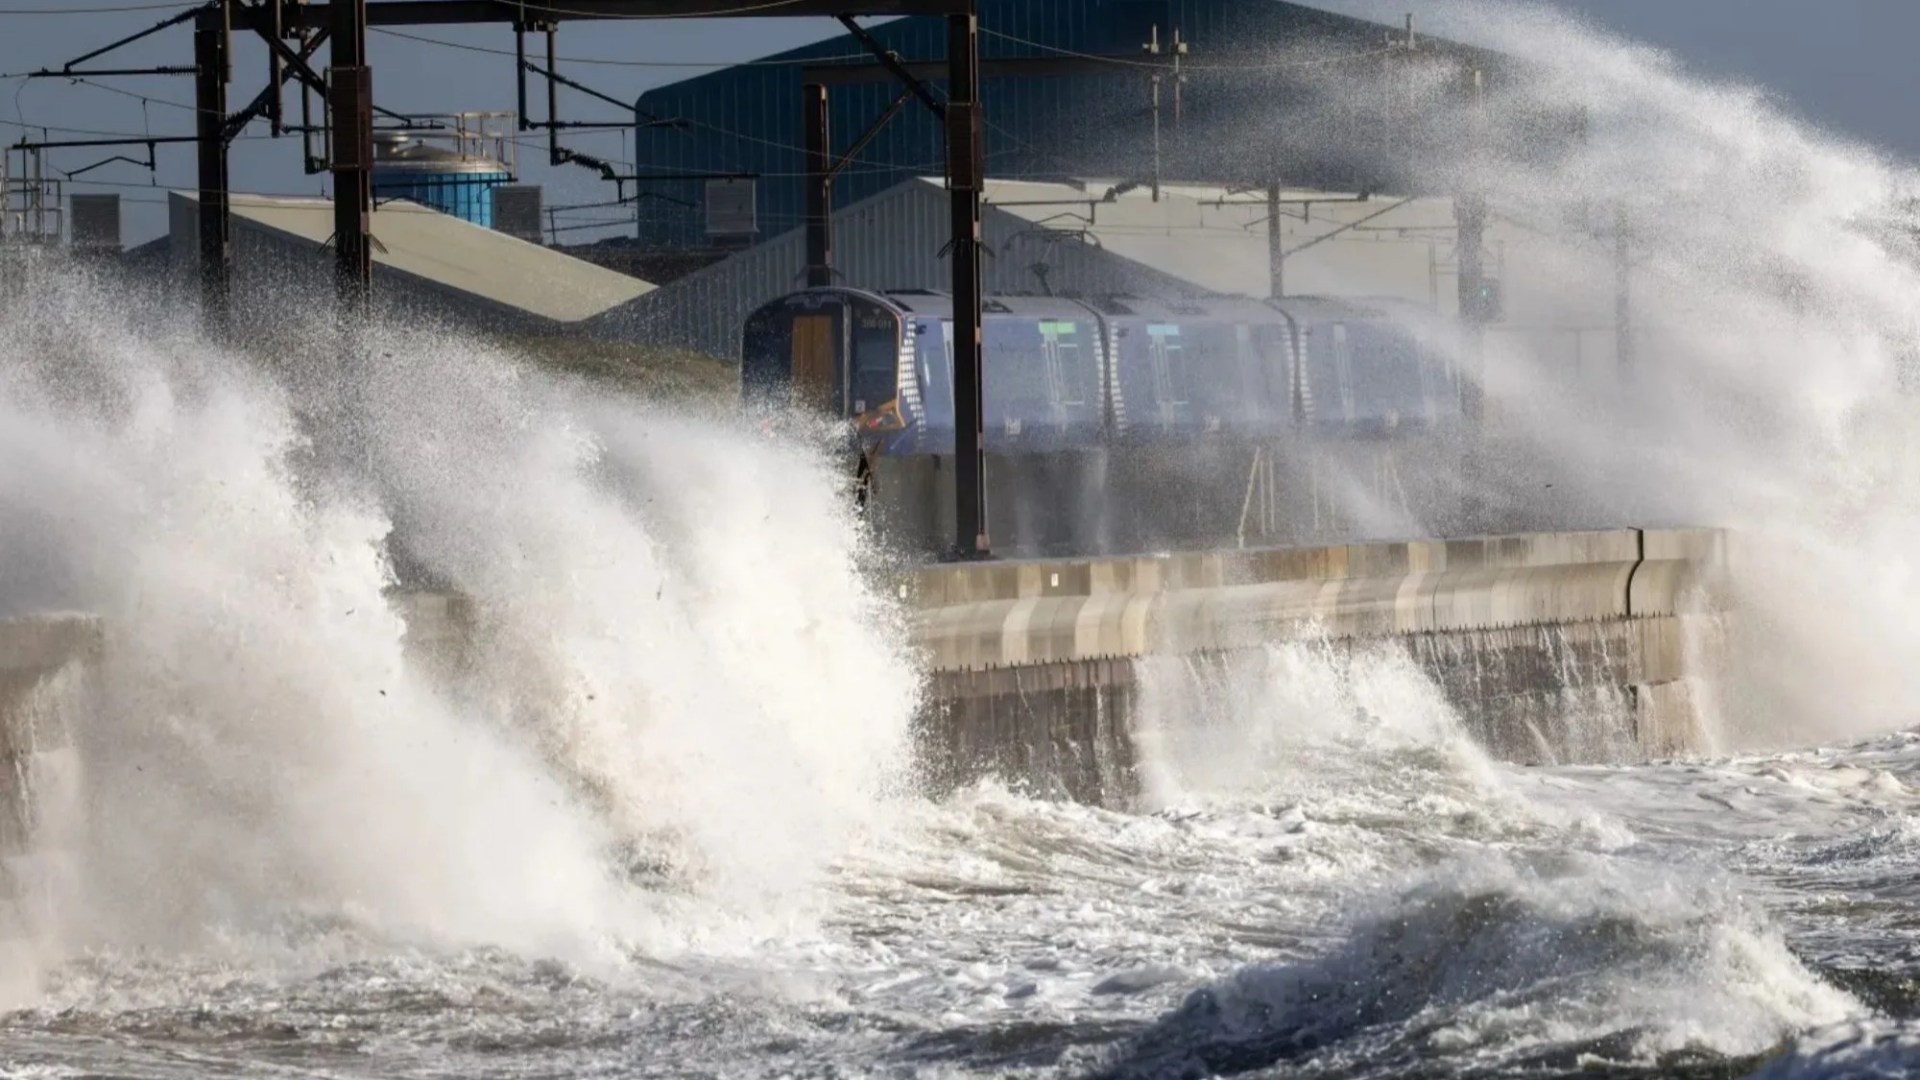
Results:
1004 22
454 254
1214 237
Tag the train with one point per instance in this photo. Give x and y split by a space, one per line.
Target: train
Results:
1064 373
1133 395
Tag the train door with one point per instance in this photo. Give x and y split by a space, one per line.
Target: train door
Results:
1165 355
818 376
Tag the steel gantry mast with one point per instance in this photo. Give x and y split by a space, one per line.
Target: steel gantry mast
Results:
347 92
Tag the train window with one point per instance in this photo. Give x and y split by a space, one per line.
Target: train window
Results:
920 365
1390 370
876 350
1017 363
876 357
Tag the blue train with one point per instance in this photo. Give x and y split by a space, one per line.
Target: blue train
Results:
1066 374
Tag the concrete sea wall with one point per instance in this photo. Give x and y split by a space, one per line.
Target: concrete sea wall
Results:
1551 647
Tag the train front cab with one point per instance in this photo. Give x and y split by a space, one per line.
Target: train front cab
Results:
827 352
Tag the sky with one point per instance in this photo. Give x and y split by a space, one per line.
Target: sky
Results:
1844 65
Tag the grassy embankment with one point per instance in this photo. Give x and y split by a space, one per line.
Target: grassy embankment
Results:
651 372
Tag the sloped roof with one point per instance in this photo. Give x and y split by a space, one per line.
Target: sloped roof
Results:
456 254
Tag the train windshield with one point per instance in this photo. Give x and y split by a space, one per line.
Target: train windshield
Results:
763 359
876 356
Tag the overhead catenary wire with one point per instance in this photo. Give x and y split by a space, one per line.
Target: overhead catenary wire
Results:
613 62
147 99
130 136
104 9
538 9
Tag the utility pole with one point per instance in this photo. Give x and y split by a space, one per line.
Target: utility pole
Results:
966 174
1152 48
212 58
1178 49
1470 215
1276 253
351 92
1622 296
819 187
1408 45
1179 80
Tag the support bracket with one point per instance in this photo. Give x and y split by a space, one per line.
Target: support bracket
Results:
891 61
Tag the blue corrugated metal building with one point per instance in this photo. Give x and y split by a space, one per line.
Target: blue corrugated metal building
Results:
749 119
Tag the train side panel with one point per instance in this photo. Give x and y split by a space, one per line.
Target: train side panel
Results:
1178 378
1043 384
1363 374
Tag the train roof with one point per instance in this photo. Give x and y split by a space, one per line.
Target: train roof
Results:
1230 308
928 303
1320 308
939 305
1235 308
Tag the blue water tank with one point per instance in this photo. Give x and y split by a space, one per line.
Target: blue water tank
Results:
444 179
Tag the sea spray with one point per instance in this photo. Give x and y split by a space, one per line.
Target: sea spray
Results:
264 751
1311 717
1773 296
641 615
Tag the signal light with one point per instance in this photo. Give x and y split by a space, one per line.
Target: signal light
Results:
1486 301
